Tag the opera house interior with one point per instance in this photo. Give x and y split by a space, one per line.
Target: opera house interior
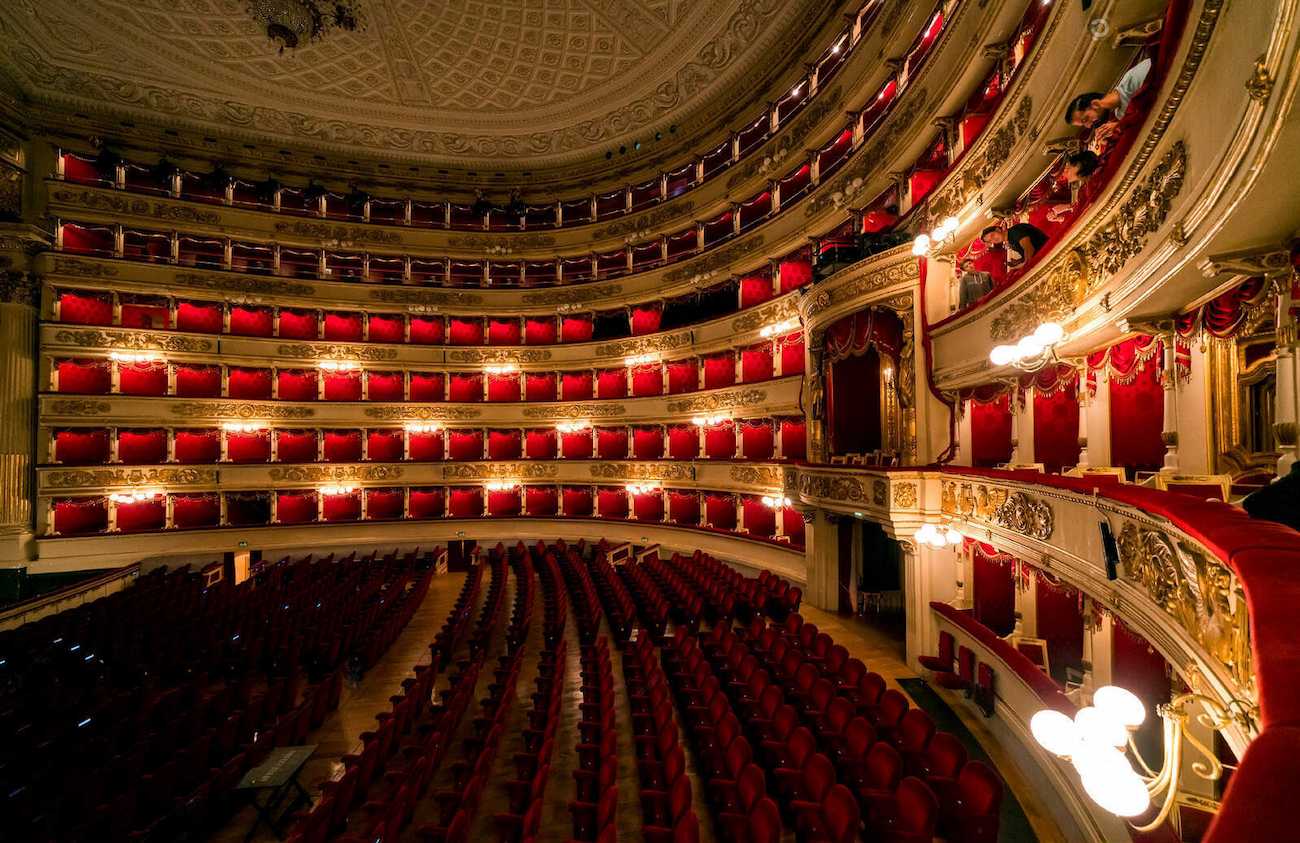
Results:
753 421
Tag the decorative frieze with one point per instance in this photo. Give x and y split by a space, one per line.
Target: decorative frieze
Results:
425 298
714 261
328 233
905 495
422 413
753 475
92 338
560 412
1026 516
337 352
334 473
755 318
241 285
64 265
869 281
728 400
77 407
583 294
645 345
498 355
239 410
645 222
1012 510
642 471
502 245
109 477
836 487
497 471
124 205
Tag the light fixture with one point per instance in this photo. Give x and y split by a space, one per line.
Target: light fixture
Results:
134 497
642 488
941 235
709 421
336 490
501 369
936 536
422 427
839 45
135 356
338 365
775 502
783 327
640 359
573 426
1031 352
1094 743
242 427
500 485
921 245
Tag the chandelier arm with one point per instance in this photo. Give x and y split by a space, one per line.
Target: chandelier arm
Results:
1137 755
1173 759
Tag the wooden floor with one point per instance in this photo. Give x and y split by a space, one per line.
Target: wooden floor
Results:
338 735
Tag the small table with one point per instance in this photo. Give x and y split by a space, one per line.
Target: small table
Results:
278 777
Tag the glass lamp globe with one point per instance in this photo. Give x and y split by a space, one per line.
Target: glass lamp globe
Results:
1122 793
1121 704
951 536
1049 333
1100 727
1001 355
1055 732
921 245
1030 346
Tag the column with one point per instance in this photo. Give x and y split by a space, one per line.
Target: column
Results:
1169 435
918 571
19 297
1085 402
1098 420
1022 429
1026 602
1287 409
964 454
821 549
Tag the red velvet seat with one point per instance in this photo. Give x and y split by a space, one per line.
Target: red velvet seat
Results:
943 661
909 817
964 678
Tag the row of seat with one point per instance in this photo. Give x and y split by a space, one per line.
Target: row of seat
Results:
955 668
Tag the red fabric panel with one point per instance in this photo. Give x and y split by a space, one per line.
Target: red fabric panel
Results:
611 443
296 446
342 446
504 332
1255 804
647 380
540 445
384 386
576 328
465 503
504 445
720 512
191 511
427 503
720 441
1140 668
198 447
295 507
990 433
792 525
465 445
648 507
427 386
756 363
465 388
425 447
577 502
384 445
142 447
853 403
155 316
427 330
77 308
248 508
795 273
1138 409
756 440
539 386
341 386
754 290
142 378
793 439
539 330
576 386
249 383
297 384
611 503
792 355
994 593
81 447
77 517
540 500
504 503
576 446
142 516
719 370
854 334
647 443
464 331
611 383
646 319
385 327
923 181
88 377
383 504
1060 622
760 520
503 387
342 507
346 327
199 317
199 381
298 324
1056 430
683 508
683 442
683 376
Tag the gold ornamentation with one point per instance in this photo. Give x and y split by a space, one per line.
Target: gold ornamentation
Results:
1026 516
644 222
1260 83
498 355
755 318
832 487
122 205
426 298
790 140
905 495
422 413
239 410
870 278
582 294
91 338
1055 296
489 471
242 286
326 232
337 352
729 400
975 173
575 411
493 245
645 345
19 288
103 477
78 407
710 264
754 475
642 471
317 474
879 492
82 268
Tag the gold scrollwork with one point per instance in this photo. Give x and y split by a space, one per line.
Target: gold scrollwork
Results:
642 471
83 478
575 411
422 413
905 495
498 355
715 261
488 471
832 487
237 410
336 352
573 295
1026 516
90 338
732 400
645 345
316 474
78 407
756 475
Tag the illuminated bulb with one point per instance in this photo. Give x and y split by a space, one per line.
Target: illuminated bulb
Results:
1099 727
1049 333
951 224
1055 732
503 369
422 427
1121 704
336 490
921 245
134 356
785 501
1001 355
499 485
1124 794
1029 346
951 536
338 365
241 427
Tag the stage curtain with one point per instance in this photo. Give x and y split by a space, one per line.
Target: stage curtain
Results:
647 443
196 381
576 386
464 331
198 447
683 508
611 503
503 503
345 507
1140 668
426 503
425 447
465 388
756 440
720 512
465 445
198 317
248 509
344 327
427 330
539 386
577 502
342 446
994 590
756 363
383 504
253 384
385 327
297 384
611 383
427 386
539 330
754 290
853 403
760 519
250 447
1137 415
611 443
990 430
576 328
683 376
341 386
577 445
720 441
503 388
540 500
384 386
648 507
250 321
81 446
194 511
683 442
647 380
295 445
384 445
465 503
852 335
81 308
1060 623
504 445
80 516
504 332
298 324
793 439
142 378
142 447
295 507
719 370
792 354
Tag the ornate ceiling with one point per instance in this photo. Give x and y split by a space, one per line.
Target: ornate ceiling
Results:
506 84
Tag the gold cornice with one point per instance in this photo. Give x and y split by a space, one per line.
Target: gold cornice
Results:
423 412
104 478
328 473
731 399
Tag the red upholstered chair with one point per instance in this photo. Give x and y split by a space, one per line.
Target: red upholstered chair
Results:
427 330
340 386
839 818
465 388
942 761
81 447
142 378
85 308
971 809
611 383
985 692
197 381
197 447
385 386
298 324
251 321
541 444
889 713
199 317
425 447
142 447
540 330
909 817
878 776
426 503
576 386
912 737
942 661
964 678
428 386
385 327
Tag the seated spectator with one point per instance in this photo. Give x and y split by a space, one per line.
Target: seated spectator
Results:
973 285
1075 172
1102 112
1022 239
482 205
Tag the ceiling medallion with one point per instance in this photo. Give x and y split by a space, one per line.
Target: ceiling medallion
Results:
291 22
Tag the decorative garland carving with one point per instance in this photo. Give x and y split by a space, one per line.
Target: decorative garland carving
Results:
645 345
1026 516
574 411
573 295
1201 595
423 413
1061 289
704 267
732 400
134 206
425 298
20 288
317 474
337 352
82 269
78 407
645 222
872 279
498 355
905 495
642 471
502 245
488 471
777 311
832 487
327 232
244 286
879 492
237 410
84 478
756 475
91 338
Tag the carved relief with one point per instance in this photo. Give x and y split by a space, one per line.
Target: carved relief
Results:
237 410
832 487
246 286
425 298
879 493
870 280
705 267
82 269
645 345
777 311
1061 289
324 473
337 352
91 338
78 407
645 222
905 495
84 478
423 413
574 411
489 471
732 400
573 295
977 171
1026 516
135 206
498 355
326 232
756 475
642 471
502 245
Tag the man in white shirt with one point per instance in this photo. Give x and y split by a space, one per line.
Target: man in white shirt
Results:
1100 112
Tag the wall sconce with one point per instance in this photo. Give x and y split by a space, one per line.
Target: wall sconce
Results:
501 369
1032 352
500 485
134 497
422 427
782 327
338 365
135 356
640 359
573 426
336 490
937 537
642 488
242 427
942 235
775 502
1095 743
708 421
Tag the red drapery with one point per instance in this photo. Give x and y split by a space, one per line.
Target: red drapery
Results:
646 318
425 447
80 308
427 386
539 386
344 507
296 384
295 507
760 519
465 503
756 440
199 317
683 376
756 363
81 447
611 443
427 330
504 502
1137 666
853 403
793 439
249 383
539 330
720 441
792 353
719 370
683 508
576 445
576 328
142 447
994 589
345 327
540 445
504 332
647 443
792 525
465 388
504 445
611 503
720 512
199 381
295 445
385 327
503 388
647 380
577 501
383 504
191 511
248 321
611 383
298 324
142 378
341 386
540 500
575 386
990 428
249 447
142 516
465 445
384 445
197 447
683 442
648 507
427 503
384 386
79 516
1056 416
342 446
1137 414
754 290
465 331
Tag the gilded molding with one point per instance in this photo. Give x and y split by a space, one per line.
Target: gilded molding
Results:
92 338
871 280
498 355
756 475
730 400
645 222
425 298
64 265
124 205
789 140
574 411
777 311
880 492
502 245
975 173
507 470
327 473
96 478
336 352
708 265
583 294
642 471
1260 84
1026 516
1015 511
832 487
423 413
78 407
645 345
905 495
330 233
241 285
1062 287
20 288
240 410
